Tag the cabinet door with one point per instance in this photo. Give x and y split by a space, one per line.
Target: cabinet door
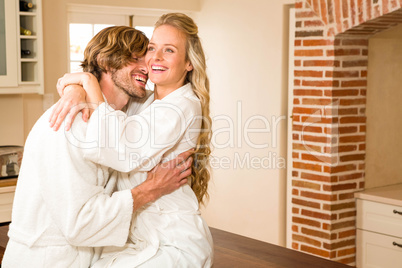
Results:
8 44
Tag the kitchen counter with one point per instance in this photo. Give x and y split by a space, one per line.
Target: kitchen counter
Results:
391 194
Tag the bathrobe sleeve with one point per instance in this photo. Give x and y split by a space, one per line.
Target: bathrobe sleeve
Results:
73 192
138 142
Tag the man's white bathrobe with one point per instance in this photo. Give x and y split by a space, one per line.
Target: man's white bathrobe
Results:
169 232
60 209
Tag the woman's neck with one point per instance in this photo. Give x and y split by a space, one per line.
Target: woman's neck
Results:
162 91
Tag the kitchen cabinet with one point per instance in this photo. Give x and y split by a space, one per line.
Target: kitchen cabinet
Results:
379 227
7 190
23 53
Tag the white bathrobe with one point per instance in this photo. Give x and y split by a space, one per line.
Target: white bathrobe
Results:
169 232
60 209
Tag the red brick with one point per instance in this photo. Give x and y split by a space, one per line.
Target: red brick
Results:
315 233
352 102
348 233
348 111
307 92
295 228
307 128
296 82
295 210
353 119
355 63
341 225
315 251
320 83
321 63
306 240
340 244
324 12
295 156
343 52
305 203
313 23
347 130
298 146
355 42
362 128
309 53
295 192
346 196
341 206
318 42
317 158
306 184
297 63
352 157
318 215
308 73
348 214
295 173
342 74
318 196
339 187
316 139
351 176
305 221
362 147
306 166
295 246
342 92
298 43
354 83
354 138
303 110
319 120
316 101
315 177
338 169
349 260
315 33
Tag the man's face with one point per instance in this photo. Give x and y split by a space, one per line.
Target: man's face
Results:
132 78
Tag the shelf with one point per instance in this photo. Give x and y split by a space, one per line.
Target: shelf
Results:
28 37
28 60
27 13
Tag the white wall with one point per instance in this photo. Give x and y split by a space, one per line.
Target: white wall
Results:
246 46
384 109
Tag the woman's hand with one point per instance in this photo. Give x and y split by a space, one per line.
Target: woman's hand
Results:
70 104
78 91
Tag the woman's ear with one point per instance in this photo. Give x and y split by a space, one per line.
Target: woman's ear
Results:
189 66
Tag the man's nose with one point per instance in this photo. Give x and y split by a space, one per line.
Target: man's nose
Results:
143 66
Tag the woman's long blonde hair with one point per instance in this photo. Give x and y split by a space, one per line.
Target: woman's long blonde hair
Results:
200 83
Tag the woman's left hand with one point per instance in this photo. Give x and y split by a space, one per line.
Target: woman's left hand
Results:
70 104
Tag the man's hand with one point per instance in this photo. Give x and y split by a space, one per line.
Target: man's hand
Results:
163 179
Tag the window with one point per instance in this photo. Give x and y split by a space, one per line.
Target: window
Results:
82 27
80 35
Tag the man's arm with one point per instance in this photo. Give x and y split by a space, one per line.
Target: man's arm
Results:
163 179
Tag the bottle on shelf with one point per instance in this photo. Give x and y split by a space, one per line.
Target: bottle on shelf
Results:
24 31
25 52
25 6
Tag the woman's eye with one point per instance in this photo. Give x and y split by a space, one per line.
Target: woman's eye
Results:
151 49
169 50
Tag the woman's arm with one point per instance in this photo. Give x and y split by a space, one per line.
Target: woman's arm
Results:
79 92
138 142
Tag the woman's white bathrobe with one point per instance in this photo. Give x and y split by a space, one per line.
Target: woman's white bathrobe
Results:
60 210
169 232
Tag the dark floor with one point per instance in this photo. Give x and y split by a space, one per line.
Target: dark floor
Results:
235 251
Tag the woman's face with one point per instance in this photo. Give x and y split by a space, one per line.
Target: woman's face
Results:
166 57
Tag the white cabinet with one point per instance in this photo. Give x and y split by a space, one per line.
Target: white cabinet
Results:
8 44
25 73
379 227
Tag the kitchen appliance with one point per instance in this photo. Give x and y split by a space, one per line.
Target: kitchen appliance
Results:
10 161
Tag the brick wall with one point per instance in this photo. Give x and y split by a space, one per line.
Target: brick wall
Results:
329 123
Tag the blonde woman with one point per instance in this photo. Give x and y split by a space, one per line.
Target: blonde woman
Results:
169 232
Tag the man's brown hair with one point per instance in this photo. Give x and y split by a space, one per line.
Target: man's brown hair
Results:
112 49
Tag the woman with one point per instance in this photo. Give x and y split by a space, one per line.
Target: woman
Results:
169 232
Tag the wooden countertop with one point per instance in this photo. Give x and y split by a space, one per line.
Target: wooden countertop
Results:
235 251
391 194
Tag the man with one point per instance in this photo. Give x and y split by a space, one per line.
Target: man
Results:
61 209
